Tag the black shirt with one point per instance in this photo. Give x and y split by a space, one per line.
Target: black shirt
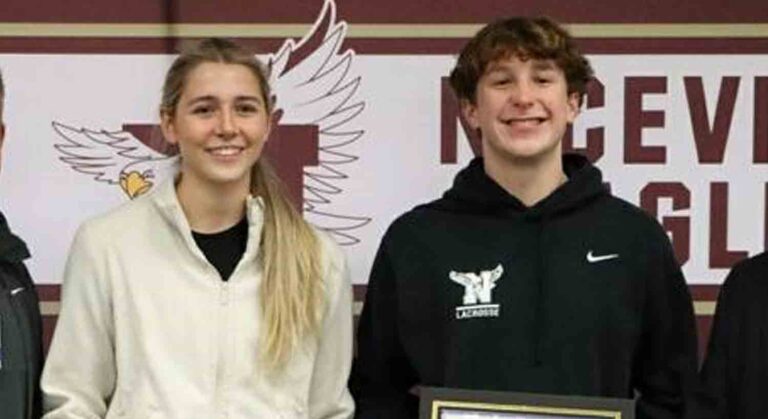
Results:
225 248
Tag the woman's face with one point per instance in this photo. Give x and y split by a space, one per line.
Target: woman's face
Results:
220 124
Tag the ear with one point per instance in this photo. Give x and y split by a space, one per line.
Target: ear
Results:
272 120
469 111
168 128
573 106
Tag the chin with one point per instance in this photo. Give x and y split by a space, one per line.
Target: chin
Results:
224 179
532 154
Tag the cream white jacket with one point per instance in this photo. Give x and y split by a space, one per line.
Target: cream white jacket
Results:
148 330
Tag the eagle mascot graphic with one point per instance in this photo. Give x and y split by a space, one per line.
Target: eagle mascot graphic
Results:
313 86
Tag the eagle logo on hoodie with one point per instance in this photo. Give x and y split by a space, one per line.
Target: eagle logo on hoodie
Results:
477 292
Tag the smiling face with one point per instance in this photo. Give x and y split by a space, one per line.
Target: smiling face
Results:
522 108
220 123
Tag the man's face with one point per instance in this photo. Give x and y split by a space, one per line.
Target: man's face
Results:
522 109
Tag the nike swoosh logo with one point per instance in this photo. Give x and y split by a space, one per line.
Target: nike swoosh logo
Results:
17 290
591 258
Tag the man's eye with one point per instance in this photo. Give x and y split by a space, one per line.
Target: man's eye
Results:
247 108
543 80
500 81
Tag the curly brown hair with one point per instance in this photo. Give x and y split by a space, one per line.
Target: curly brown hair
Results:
538 38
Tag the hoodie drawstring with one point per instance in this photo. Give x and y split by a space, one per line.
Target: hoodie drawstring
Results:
539 321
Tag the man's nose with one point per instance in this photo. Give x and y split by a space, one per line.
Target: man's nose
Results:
522 94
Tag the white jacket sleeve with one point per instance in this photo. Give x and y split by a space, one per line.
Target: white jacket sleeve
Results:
329 396
79 375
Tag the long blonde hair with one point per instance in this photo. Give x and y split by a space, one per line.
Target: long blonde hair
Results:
291 295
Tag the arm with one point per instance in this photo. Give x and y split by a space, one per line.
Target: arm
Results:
381 375
329 397
35 320
79 374
711 401
664 371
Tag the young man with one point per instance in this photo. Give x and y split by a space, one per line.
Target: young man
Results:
20 323
735 373
527 275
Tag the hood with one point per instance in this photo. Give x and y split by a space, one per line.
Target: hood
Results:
12 248
473 191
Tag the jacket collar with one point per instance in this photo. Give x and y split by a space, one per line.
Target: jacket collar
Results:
167 202
12 248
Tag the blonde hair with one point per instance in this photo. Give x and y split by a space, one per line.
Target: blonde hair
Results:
291 295
2 96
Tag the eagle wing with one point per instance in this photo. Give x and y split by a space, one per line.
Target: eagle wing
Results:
106 155
314 84
460 278
496 273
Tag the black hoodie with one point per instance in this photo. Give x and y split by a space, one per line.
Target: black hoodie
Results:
734 376
20 332
578 295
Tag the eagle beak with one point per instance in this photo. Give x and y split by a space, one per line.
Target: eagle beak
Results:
134 184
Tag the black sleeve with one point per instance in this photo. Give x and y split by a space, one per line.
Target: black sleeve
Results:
36 345
26 308
381 374
711 401
664 370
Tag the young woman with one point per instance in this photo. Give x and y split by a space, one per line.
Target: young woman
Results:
210 297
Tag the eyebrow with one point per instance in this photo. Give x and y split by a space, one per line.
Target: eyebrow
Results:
543 65
538 65
211 98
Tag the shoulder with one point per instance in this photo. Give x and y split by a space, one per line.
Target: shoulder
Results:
335 273
636 233
754 266
749 277
413 223
117 222
330 251
632 221
332 256
627 212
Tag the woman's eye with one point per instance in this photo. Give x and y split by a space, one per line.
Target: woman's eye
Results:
202 110
500 82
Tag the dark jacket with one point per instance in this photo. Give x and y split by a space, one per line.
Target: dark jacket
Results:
734 376
578 295
20 332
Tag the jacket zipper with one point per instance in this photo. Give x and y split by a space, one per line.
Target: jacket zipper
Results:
221 370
